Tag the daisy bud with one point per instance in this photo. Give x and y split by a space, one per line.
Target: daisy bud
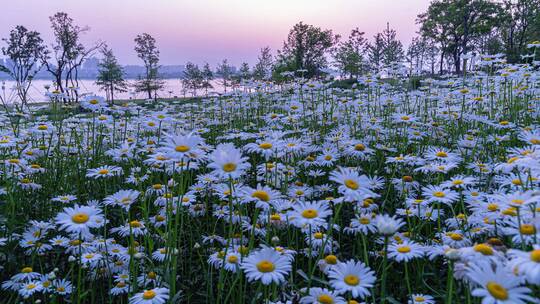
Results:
275 240
138 255
196 246
71 258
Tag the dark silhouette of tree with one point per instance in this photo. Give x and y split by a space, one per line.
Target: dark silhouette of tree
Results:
111 75
24 50
224 72
348 57
263 67
305 49
147 51
67 54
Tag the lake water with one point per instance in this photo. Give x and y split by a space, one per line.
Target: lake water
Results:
37 91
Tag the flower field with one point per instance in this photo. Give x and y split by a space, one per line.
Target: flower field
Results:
291 193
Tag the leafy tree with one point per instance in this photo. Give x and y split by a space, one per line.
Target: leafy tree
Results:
421 54
520 25
147 51
349 57
375 53
306 48
24 50
207 77
111 74
224 71
67 53
263 67
392 47
193 78
455 24
244 71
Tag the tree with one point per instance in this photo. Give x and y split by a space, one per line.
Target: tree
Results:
375 52
455 24
67 54
349 57
224 72
421 54
244 71
111 74
193 78
520 25
306 48
24 51
263 67
392 48
207 76
147 51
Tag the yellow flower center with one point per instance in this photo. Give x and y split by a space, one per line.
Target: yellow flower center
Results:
275 217
364 221
229 167
439 194
262 195
441 154
351 184
135 224
149 294
456 236
497 290
419 299
359 147
265 266
535 255
42 127
181 148
527 229
407 179
232 259
318 235
351 280
103 171
30 286
404 249
458 182
331 259
492 207
93 101
325 299
484 249
517 201
310 213
26 270
80 218
512 159
265 145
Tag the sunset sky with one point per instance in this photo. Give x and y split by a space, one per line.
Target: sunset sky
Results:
210 30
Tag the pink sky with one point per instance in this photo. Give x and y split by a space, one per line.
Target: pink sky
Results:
210 30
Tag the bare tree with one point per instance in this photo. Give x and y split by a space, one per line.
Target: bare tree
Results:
147 51
67 54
